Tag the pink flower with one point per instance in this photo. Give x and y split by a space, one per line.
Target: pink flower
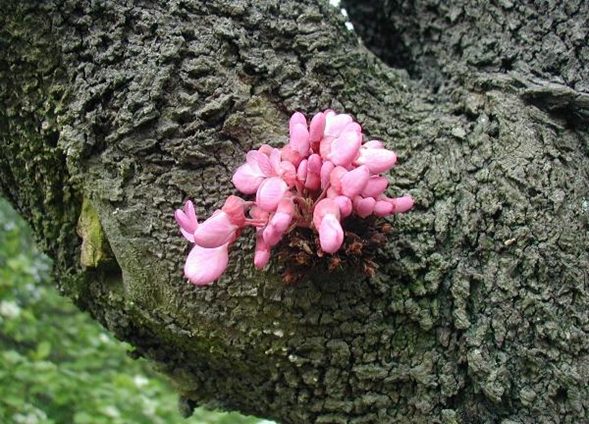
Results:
297 118
325 146
299 134
313 178
302 171
323 175
335 123
262 252
259 218
383 208
250 175
364 206
354 181
345 205
375 186
316 129
331 234
187 220
271 235
215 231
270 192
335 178
402 204
377 159
234 207
326 218
344 149
203 266
283 216
279 222
373 144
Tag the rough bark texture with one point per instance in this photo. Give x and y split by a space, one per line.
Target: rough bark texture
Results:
541 48
479 311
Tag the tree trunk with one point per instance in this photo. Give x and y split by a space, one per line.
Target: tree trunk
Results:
113 113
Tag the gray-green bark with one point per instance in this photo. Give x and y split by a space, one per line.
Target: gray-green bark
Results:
479 310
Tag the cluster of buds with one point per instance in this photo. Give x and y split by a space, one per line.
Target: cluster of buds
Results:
324 175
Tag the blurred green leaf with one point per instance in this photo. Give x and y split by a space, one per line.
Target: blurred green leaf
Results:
83 418
43 350
59 366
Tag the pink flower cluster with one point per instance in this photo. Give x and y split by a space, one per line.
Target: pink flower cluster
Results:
325 174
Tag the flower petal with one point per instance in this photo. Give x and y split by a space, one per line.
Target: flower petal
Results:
288 172
187 220
291 155
266 149
315 163
251 157
326 169
275 157
335 178
313 181
335 123
296 118
264 164
344 149
377 160
353 126
188 236
302 171
325 146
261 258
345 205
262 252
375 186
299 138
203 266
234 207
373 144
354 181
383 208
190 212
331 234
215 231
364 206
284 214
402 204
316 128
323 208
270 192
332 193
247 178
281 221
183 221
271 235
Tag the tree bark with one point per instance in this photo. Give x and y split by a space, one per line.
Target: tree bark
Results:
113 113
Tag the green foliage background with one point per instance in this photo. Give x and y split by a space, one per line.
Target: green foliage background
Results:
59 366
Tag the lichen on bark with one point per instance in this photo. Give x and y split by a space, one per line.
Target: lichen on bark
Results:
478 312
